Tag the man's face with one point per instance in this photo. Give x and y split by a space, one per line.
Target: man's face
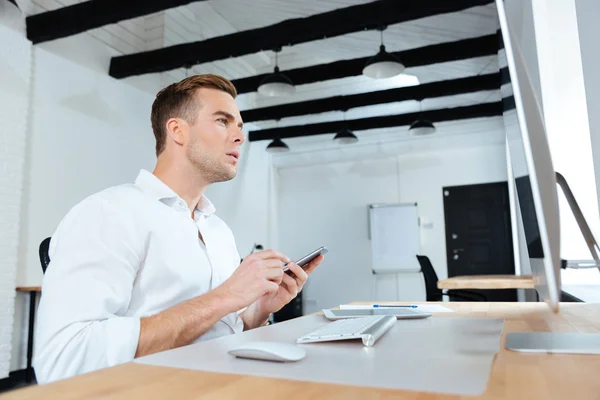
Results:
216 136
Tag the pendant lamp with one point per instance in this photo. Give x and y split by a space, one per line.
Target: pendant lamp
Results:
383 64
276 84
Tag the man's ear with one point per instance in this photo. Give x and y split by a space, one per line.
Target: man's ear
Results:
177 130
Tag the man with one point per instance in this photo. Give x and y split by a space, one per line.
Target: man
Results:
146 267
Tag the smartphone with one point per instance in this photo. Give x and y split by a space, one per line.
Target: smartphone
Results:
309 257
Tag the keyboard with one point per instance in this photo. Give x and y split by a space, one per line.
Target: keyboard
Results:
369 329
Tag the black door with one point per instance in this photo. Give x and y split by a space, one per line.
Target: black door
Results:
479 234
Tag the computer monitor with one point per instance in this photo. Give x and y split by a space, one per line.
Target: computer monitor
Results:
534 175
537 199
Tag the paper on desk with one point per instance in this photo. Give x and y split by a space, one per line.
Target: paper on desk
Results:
430 308
453 356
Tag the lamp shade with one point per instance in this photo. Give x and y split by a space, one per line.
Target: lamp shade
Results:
422 127
276 84
383 65
277 146
345 137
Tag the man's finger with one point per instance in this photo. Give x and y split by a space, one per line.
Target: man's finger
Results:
274 275
272 263
271 254
290 284
272 287
314 264
301 276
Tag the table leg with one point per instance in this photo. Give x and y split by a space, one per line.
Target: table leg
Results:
29 370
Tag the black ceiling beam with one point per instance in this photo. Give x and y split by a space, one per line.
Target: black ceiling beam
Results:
445 114
343 103
286 33
81 17
504 76
427 55
508 103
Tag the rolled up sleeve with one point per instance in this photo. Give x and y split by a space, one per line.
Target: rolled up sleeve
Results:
82 324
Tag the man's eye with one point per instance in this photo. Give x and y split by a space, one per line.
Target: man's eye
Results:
223 121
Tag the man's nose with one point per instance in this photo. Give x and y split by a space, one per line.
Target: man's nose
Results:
239 136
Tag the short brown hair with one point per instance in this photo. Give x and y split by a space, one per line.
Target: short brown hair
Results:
177 101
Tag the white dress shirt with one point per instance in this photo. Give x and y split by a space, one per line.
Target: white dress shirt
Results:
127 252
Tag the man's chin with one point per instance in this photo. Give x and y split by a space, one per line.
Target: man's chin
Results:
226 175
232 173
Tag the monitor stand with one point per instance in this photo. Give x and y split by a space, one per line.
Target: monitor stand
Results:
583 226
555 342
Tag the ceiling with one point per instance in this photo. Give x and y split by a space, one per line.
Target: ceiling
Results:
202 20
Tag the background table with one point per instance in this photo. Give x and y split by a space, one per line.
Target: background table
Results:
33 291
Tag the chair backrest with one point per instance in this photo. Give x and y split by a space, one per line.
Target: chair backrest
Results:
431 279
44 257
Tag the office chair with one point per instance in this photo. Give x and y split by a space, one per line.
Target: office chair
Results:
435 294
44 257
44 261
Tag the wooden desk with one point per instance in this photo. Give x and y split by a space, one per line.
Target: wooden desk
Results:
29 289
33 291
487 282
514 375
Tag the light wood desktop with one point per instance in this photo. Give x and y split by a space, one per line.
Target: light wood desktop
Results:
487 282
514 375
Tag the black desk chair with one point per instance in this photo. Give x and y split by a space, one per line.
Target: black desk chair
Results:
44 261
44 257
434 293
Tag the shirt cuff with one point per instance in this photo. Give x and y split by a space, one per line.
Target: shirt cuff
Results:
126 334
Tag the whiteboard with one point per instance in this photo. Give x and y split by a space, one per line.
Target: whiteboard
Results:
395 239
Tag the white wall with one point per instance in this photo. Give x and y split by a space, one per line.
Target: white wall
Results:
12 18
326 204
422 177
88 132
15 54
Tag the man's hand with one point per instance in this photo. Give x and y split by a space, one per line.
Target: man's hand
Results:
289 288
291 285
258 275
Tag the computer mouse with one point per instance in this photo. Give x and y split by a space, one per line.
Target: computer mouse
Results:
271 351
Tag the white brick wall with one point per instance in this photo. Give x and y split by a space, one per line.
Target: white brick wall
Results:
15 60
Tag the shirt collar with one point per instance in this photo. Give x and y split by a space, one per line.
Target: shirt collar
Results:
158 190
